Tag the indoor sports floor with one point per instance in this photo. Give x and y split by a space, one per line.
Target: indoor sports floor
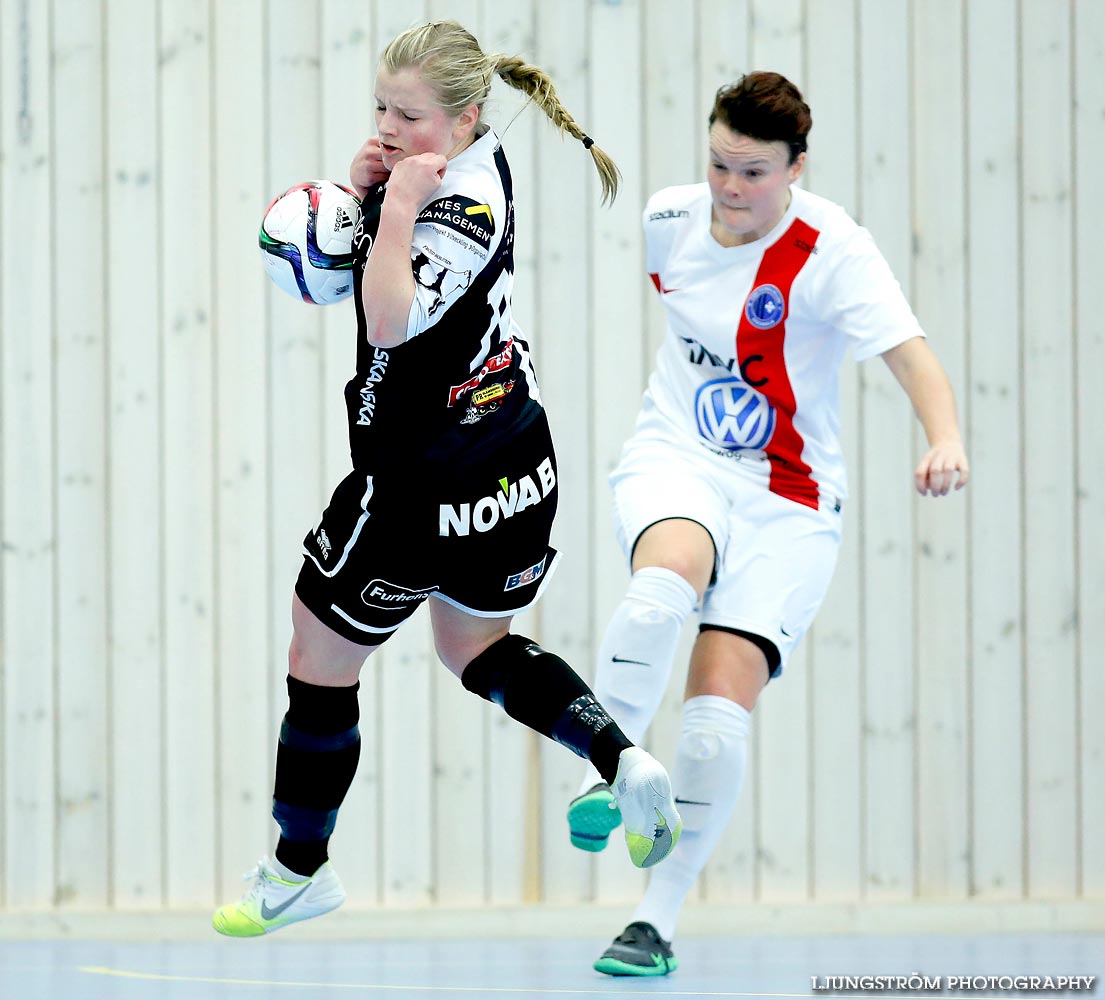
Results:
445 969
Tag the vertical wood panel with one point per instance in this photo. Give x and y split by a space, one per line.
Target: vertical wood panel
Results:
81 457
246 661
6 88
188 427
150 519
835 641
618 341
777 38
1089 214
994 497
725 53
889 709
1047 284
510 768
136 627
940 554
782 772
294 132
28 431
409 718
348 67
674 136
564 220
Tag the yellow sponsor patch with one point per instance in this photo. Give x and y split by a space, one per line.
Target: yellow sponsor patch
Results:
482 396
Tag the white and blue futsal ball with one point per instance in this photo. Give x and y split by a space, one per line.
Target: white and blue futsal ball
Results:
306 241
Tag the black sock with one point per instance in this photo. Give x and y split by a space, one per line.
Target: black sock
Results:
541 691
316 760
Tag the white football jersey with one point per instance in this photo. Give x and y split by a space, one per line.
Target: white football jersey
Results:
756 334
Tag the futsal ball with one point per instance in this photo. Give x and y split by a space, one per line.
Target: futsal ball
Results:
306 241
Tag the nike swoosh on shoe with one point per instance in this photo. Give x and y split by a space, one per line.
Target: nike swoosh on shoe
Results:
268 914
661 843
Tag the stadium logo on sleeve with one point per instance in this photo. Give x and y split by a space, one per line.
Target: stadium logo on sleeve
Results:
471 219
516 580
669 213
765 307
733 415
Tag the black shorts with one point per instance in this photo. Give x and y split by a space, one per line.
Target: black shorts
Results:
474 534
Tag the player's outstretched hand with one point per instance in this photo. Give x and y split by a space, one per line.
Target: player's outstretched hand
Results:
944 466
367 168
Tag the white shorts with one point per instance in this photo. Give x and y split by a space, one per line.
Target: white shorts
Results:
775 557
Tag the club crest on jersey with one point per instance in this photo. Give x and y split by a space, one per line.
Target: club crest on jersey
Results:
733 415
765 307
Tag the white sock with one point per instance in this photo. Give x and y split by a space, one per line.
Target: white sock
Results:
637 650
284 872
706 779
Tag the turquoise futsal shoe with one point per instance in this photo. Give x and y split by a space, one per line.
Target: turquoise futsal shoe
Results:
638 951
592 816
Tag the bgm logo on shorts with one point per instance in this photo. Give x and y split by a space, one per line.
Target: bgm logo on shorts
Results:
383 594
484 514
516 580
733 415
765 307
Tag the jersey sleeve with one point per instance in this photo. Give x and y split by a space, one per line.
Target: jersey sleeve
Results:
661 218
453 241
865 301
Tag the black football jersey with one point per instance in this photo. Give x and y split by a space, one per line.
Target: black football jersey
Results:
463 381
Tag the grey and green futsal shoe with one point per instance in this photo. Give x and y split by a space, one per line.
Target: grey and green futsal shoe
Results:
272 902
638 951
642 791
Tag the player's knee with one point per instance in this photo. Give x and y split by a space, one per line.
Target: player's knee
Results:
692 568
457 651
700 744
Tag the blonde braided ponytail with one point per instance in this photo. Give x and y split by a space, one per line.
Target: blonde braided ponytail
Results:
460 72
536 84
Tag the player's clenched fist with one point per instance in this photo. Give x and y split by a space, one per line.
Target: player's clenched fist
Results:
417 177
367 168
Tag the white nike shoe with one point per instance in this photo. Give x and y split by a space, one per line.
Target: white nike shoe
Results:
643 793
271 902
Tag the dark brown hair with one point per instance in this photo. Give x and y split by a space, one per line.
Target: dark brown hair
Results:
765 106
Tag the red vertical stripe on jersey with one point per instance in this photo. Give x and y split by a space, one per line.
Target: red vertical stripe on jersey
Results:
760 353
656 281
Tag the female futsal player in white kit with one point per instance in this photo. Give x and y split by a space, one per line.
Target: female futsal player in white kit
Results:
728 495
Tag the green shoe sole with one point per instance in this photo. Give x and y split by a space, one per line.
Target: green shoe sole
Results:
591 817
614 967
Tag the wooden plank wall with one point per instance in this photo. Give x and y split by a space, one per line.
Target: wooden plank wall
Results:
171 425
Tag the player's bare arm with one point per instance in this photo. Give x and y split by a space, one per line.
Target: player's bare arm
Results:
924 380
388 282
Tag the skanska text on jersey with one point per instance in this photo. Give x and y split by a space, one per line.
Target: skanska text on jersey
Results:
485 513
376 373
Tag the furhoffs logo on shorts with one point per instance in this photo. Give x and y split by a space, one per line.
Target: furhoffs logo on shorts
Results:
385 594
